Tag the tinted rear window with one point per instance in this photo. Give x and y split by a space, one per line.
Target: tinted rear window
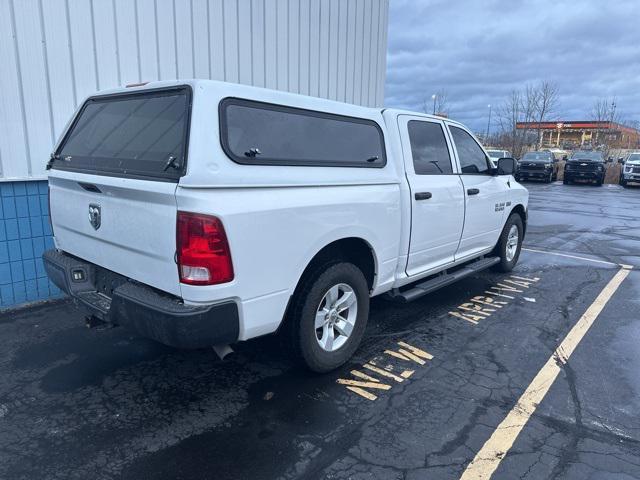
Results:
265 134
582 155
429 148
134 135
537 156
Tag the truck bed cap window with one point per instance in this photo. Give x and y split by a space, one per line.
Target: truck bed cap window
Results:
265 134
142 134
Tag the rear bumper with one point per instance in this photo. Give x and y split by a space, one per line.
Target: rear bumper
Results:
147 311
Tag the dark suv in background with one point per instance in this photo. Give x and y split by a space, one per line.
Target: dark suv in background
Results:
538 166
584 166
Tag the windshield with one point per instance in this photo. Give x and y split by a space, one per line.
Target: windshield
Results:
496 153
141 135
585 155
537 156
634 157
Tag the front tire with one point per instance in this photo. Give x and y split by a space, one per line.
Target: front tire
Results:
328 316
565 180
510 243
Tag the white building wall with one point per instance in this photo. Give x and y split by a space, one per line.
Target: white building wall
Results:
53 53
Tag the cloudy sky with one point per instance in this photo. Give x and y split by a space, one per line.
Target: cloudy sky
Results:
478 51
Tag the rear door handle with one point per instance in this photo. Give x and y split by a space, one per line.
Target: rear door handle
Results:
473 191
422 196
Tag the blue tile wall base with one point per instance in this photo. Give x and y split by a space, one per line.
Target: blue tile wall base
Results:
25 233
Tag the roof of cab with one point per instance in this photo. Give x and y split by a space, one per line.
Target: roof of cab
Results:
399 111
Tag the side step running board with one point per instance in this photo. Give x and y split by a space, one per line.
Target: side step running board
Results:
439 281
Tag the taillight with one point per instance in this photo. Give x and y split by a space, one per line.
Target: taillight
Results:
203 252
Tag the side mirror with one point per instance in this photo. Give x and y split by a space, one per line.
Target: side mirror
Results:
610 160
565 158
506 166
620 159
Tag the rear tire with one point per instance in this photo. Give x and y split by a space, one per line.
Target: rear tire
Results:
510 243
323 333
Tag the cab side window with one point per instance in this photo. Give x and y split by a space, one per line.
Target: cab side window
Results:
471 156
429 148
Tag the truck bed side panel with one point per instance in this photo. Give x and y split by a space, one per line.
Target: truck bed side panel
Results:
275 232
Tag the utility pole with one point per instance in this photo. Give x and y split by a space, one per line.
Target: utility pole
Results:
611 129
486 141
613 111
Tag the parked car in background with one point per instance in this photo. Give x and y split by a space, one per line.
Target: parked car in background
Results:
559 153
495 155
630 172
202 213
585 166
538 166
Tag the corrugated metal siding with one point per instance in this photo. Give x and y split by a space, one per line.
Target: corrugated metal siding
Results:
55 52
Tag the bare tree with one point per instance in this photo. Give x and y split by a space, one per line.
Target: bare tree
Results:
600 109
529 107
605 110
546 104
509 114
438 105
519 106
532 105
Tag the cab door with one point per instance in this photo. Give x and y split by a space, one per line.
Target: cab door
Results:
484 195
437 196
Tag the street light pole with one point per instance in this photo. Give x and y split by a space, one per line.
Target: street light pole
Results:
433 97
488 125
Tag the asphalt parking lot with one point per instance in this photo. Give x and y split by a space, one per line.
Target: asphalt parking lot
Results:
435 379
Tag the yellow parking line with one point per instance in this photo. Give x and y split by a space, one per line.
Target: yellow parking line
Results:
494 450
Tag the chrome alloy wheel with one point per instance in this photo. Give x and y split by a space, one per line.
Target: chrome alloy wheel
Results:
512 243
336 317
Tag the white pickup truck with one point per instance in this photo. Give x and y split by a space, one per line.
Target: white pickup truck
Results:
202 213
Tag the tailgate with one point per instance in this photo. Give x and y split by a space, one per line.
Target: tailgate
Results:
113 179
125 225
